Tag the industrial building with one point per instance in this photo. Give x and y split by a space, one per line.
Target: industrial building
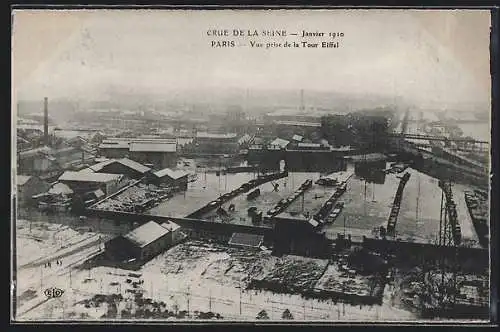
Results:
143 242
37 161
279 144
216 143
125 166
170 177
27 186
159 152
82 183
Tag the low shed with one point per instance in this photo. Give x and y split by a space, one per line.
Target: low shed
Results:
143 242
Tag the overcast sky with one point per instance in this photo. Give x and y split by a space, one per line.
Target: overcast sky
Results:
425 56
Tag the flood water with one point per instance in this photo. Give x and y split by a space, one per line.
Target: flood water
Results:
367 205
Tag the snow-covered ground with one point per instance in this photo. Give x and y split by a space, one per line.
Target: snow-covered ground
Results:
191 277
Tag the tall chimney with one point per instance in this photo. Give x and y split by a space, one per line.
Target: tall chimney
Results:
46 121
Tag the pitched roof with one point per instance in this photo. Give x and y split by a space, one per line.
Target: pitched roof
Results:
153 147
170 173
86 170
247 240
60 188
134 165
170 226
124 161
88 177
145 234
32 152
280 142
22 179
244 139
297 137
99 166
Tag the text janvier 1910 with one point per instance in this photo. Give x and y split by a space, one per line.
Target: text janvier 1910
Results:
329 40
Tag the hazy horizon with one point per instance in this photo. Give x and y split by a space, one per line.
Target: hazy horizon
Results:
418 56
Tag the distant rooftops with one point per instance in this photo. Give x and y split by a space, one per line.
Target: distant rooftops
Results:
280 142
89 177
216 135
309 145
298 123
368 157
153 147
140 144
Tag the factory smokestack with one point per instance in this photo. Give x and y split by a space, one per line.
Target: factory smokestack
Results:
46 121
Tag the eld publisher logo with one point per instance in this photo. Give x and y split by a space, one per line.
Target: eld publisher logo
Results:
53 292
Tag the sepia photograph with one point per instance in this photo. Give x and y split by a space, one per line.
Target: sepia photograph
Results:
238 165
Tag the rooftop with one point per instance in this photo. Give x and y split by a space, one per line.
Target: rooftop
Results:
170 226
89 177
299 123
369 157
247 240
153 147
114 145
124 161
215 135
22 179
280 142
146 234
170 173
309 145
34 152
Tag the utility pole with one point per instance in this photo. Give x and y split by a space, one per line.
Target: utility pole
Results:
188 295
209 300
344 225
240 298
418 196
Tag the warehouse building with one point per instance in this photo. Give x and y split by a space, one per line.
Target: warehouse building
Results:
144 242
114 148
216 142
28 186
160 153
170 177
175 232
279 144
37 161
125 166
82 183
